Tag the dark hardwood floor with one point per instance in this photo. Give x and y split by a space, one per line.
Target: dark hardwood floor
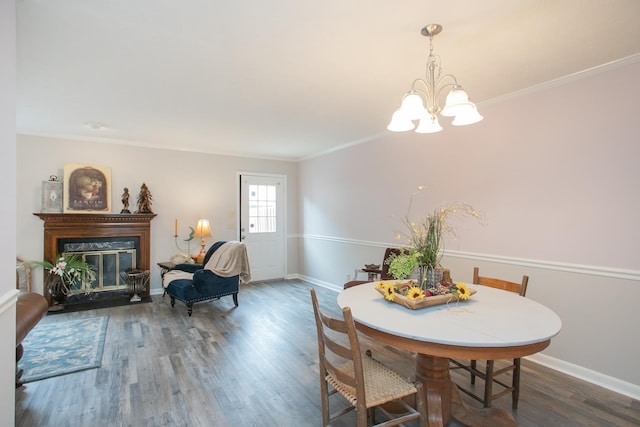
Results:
254 365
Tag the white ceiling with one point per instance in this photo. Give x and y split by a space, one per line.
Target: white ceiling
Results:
286 79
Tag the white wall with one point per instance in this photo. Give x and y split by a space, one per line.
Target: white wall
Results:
183 185
555 173
7 209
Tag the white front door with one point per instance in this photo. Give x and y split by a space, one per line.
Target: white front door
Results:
262 219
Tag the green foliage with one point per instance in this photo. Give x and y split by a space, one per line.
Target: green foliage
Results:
424 237
70 269
401 266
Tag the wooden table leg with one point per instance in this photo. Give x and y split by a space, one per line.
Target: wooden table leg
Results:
444 401
433 373
479 417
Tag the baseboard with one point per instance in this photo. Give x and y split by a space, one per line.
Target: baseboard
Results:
593 377
312 281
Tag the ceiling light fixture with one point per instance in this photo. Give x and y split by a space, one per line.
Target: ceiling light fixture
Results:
457 103
95 125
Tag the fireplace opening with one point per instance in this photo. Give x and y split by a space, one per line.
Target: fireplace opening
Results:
109 257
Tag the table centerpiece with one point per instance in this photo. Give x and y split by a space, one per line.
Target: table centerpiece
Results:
424 247
409 294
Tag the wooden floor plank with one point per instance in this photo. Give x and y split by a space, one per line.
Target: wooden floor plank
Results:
254 365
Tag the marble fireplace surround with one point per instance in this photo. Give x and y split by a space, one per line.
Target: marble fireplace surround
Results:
60 226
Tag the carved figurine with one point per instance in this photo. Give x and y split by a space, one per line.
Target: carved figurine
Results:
125 202
144 200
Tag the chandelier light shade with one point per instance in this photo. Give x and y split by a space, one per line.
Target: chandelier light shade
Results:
428 91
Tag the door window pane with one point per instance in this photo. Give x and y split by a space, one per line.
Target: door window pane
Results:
262 209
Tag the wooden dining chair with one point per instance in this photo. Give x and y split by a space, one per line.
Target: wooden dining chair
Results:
490 375
364 382
383 272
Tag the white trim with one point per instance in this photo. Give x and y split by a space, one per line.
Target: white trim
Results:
311 280
591 270
347 145
587 375
628 60
8 300
347 241
151 145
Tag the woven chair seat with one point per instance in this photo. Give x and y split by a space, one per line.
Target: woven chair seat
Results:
365 383
381 383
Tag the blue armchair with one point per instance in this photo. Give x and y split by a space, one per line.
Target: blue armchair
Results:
219 275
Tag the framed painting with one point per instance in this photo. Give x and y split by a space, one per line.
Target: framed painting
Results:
87 189
51 196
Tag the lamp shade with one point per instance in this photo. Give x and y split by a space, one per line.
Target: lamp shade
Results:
399 122
457 102
203 229
412 106
469 117
429 124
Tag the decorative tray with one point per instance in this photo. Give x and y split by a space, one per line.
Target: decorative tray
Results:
428 301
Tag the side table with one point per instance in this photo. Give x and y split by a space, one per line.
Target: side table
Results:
372 274
165 267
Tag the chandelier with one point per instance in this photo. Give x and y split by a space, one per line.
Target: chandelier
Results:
412 108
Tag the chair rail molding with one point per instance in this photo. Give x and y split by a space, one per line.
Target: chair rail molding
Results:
591 270
8 299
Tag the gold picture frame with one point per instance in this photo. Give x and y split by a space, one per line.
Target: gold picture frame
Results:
87 189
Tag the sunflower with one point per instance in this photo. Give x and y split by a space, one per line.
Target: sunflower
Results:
389 291
415 293
462 292
380 284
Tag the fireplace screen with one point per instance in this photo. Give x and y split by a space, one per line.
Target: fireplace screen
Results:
108 259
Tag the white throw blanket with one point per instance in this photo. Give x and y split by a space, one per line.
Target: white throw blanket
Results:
229 260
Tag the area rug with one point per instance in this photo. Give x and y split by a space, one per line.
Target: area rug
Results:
58 347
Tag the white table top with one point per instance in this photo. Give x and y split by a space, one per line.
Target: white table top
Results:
490 318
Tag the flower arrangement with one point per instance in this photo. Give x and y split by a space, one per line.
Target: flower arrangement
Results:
69 270
412 291
425 239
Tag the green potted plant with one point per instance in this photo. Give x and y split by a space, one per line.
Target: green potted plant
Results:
69 270
424 243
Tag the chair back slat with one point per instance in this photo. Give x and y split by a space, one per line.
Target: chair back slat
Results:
338 344
519 288
337 348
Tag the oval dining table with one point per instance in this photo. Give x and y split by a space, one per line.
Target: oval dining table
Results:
493 324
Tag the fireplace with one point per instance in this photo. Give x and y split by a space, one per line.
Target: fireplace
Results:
109 257
111 242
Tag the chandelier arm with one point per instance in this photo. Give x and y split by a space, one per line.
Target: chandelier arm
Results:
425 87
427 92
440 85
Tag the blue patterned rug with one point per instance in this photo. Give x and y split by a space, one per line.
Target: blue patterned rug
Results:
58 347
